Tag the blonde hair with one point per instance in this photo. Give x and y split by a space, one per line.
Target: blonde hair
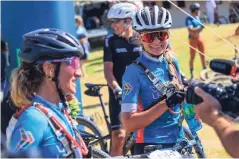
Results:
25 82
172 69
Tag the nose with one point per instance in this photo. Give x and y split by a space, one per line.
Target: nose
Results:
78 73
112 25
156 40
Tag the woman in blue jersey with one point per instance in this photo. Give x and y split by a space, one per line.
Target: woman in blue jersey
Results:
154 121
48 71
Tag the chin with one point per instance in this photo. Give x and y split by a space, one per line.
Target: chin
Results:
156 51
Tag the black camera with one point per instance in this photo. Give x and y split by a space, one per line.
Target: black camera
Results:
228 96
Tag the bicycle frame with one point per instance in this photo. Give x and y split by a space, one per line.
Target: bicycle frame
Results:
104 111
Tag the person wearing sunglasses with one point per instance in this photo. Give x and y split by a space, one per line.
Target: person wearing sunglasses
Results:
155 119
50 66
120 49
195 38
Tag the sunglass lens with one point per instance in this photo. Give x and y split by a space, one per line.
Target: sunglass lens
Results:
75 63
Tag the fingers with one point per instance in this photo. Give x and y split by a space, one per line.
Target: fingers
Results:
200 92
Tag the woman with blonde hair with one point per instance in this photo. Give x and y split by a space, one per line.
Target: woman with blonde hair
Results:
151 85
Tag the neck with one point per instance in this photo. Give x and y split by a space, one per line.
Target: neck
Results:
128 33
49 92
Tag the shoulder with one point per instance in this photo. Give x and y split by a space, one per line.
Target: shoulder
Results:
109 38
133 69
34 116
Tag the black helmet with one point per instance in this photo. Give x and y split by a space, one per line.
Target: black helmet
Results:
44 44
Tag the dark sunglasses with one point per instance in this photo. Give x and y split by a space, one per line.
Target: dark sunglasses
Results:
149 37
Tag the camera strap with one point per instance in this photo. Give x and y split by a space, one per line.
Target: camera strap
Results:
158 84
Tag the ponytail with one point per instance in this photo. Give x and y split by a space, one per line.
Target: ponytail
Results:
25 82
172 70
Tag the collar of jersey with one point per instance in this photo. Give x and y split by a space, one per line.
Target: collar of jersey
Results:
160 59
43 102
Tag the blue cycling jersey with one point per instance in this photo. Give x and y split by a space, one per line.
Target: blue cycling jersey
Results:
136 86
193 23
34 136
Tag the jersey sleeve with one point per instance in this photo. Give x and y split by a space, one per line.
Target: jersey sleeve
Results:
188 22
107 49
28 132
131 87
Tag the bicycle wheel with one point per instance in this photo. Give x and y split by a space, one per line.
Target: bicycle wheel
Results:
222 20
207 74
196 148
90 129
96 153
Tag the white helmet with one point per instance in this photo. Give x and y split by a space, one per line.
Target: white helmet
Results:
152 19
122 11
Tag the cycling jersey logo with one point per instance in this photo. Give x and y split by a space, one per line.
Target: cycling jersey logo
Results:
127 89
159 72
26 139
120 50
137 49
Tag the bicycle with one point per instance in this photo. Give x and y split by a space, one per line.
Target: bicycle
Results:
210 76
94 90
219 19
182 149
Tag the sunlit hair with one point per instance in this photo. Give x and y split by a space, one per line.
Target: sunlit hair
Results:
26 80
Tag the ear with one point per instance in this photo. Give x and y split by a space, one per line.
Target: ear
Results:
48 69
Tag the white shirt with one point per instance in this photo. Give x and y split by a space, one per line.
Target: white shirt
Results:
210 5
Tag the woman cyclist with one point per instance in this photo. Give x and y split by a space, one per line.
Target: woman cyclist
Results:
160 123
48 71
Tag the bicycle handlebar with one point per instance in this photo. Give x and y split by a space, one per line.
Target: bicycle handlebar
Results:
180 147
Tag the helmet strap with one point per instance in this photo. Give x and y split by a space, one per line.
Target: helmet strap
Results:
56 80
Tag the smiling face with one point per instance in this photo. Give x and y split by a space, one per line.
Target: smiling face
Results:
118 26
67 78
156 46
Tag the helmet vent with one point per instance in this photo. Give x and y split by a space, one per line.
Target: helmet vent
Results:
27 50
55 46
35 41
65 41
138 21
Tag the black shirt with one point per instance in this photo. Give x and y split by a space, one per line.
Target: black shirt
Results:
121 52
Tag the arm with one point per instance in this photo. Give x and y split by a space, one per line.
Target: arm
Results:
190 27
228 135
133 121
26 137
226 131
108 65
109 76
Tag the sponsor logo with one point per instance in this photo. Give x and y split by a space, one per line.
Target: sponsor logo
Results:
127 89
121 50
26 139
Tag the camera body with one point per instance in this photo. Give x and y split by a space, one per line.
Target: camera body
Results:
228 96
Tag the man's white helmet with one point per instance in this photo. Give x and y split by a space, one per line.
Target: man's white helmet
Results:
152 19
122 11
